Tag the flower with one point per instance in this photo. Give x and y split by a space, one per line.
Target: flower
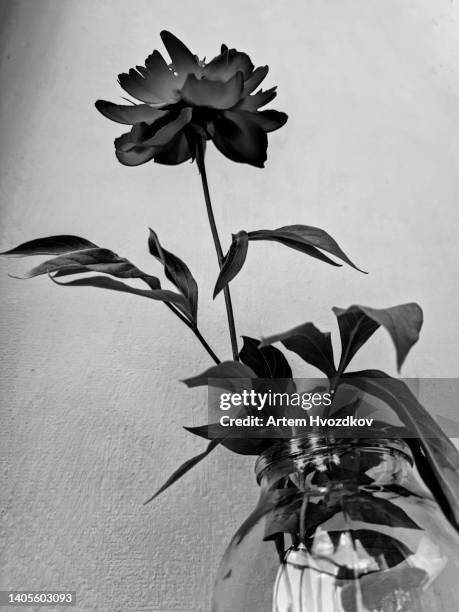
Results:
190 101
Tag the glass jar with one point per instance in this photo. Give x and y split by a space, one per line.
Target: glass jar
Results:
344 525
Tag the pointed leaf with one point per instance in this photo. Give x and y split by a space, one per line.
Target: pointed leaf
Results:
91 258
51 245
177 272
359 506
88 260
240 446
227 370
310 344
358 323
230 569
105 282
355 329
233 262
266 362
183 469
283 519
373 509
307 239
317 514
449 425
269 500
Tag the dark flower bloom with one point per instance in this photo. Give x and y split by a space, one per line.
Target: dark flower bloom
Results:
189 101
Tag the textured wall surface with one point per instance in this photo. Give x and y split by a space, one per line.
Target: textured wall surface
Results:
91 404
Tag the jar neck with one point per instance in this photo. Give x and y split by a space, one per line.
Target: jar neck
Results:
319 453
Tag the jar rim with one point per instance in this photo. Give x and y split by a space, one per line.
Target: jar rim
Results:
303 447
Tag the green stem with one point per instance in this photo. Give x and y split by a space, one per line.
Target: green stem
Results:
218 246
195 331
202 340
302 525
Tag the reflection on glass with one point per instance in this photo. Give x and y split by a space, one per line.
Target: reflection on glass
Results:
355 528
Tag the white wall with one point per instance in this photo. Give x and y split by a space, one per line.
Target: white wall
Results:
92 406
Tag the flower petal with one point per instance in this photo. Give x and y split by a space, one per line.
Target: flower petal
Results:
136 156
136 86
182 58
130 154
164 132
175 153
268 120
255 79
214 94
261 98
129 115
160 78
227 64
240 139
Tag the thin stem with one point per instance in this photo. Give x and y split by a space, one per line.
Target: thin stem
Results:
279 542
202 340
302 526
218 246
195 331
178 314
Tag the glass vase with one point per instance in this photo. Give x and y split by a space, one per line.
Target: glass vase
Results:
342 525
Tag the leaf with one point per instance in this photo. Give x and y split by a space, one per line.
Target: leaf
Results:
342 408
91 258
105 282
358 323
372 509
310 344
266 362
359 506
51 245
284 519
233 262
227 372
177 272
307 239
449 425
240 446
183 469
441 454
230 567
269 500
